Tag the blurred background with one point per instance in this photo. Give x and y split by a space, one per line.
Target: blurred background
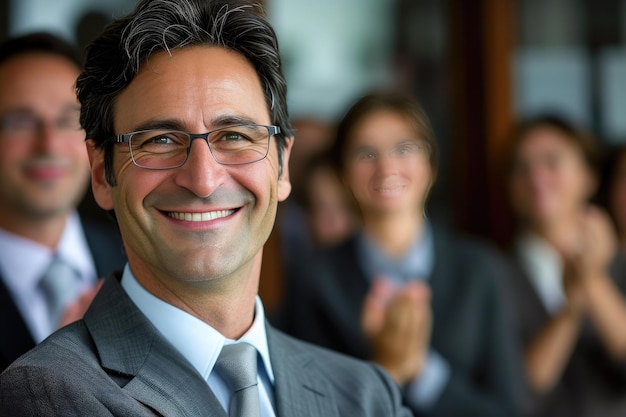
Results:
475 65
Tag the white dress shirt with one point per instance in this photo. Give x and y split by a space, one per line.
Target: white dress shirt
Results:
544 267
201 344
23 262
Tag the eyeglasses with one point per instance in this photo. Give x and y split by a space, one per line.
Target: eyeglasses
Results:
26 125
166 149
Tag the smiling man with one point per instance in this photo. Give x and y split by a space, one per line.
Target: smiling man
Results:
44 173
183 102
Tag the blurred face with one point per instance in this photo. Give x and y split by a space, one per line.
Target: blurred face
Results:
202 221
550 179
331 216
618 194
387 165
44 169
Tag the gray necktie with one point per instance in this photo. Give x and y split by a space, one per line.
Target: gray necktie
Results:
60 288
237 364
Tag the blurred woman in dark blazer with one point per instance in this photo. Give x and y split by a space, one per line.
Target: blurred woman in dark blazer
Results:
570 279
427 306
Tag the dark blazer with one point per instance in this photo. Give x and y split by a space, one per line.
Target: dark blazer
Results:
108 255
593 384
470 322
115 363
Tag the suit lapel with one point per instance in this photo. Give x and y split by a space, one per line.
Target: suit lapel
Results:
128 344
440 281
300 389
17 338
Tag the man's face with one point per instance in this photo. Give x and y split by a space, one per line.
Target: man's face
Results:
164 214
44 169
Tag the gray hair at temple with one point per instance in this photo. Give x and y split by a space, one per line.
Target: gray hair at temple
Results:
117 55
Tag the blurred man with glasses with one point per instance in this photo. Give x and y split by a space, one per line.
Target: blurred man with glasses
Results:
49 258
184 107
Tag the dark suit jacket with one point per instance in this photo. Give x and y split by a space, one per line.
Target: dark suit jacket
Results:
114 362
470 322
593 384
108 255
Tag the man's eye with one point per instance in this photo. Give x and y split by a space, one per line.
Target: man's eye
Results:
68 123
20 122
233 136
160 140
365 155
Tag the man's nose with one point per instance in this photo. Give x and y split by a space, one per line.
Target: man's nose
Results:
201 173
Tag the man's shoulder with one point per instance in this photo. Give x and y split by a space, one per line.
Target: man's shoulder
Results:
61 349
353 386
333 365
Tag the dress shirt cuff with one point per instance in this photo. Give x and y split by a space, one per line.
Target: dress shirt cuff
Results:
423 391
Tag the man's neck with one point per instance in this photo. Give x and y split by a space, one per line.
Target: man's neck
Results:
227 304
45 231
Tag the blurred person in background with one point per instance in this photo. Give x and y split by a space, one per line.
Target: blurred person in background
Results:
613 190
330 214
330 209
570 279
424 304
49 258
292 220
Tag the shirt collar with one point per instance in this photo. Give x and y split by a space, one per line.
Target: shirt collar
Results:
23 261
74 249
544 268
416 263
197 341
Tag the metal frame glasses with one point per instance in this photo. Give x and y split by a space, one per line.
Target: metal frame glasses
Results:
167 149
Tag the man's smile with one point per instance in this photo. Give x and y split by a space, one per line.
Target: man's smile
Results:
200 216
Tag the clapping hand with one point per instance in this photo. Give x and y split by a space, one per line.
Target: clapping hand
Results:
397 322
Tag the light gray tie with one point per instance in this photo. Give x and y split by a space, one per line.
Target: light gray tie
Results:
60 287
237 364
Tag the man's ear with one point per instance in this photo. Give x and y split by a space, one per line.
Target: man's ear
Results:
284 184
100 187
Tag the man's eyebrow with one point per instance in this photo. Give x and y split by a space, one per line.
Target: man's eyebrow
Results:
159 124
231 120
19 110
176 124
25 110
362 148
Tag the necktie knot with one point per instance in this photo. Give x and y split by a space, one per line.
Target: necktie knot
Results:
237 364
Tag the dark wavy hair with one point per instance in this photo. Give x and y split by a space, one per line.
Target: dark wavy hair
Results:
40 42
118 54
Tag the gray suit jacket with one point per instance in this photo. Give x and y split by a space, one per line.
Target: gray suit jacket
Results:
114 362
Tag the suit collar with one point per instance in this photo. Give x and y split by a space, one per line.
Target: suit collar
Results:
300 389
159 377
12 324
128 345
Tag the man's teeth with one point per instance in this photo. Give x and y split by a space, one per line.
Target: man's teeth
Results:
390 189
200 217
